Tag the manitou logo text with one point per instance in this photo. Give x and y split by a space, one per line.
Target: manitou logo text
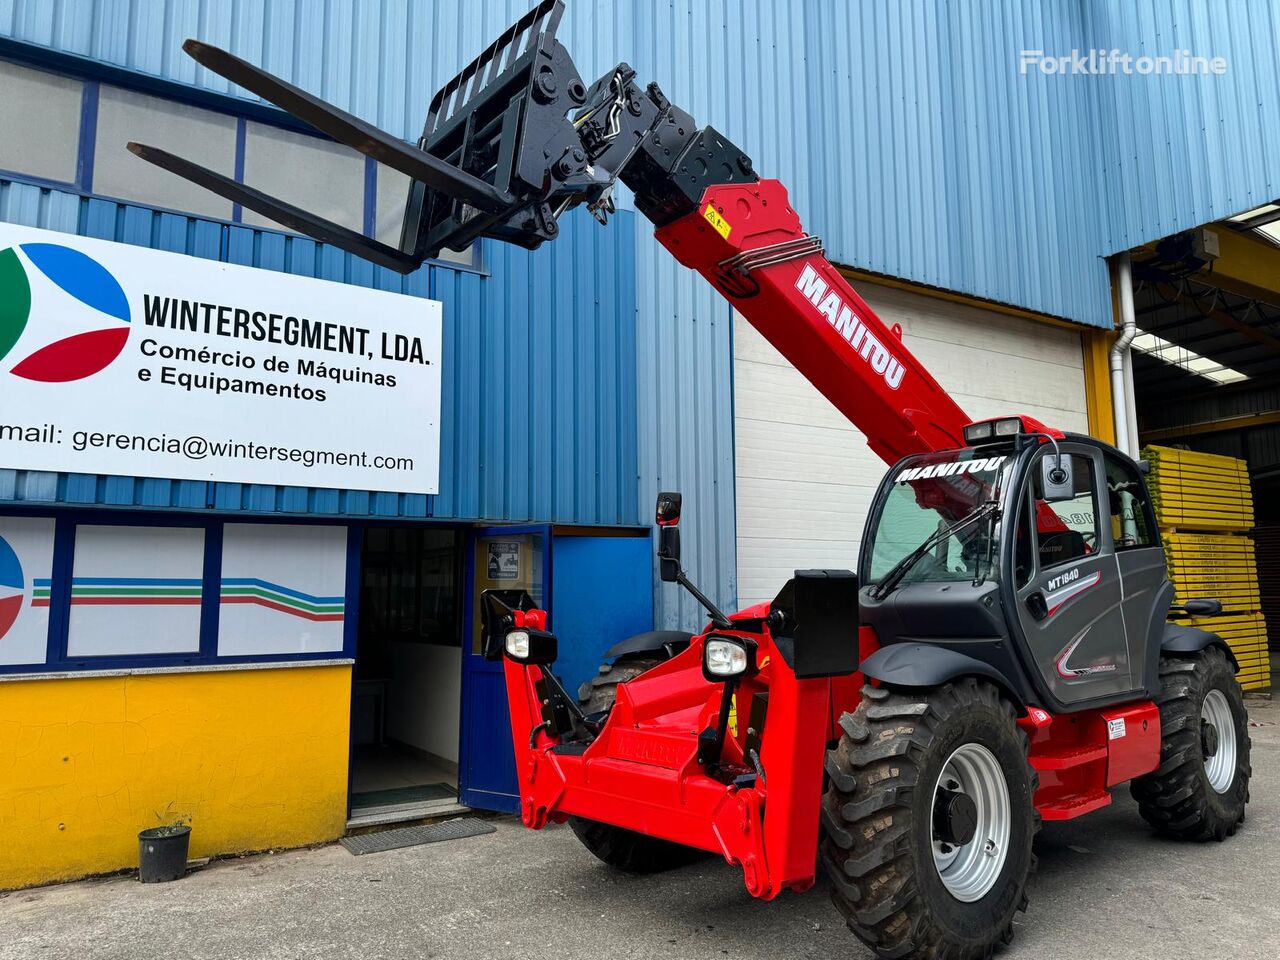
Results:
849 326
952 468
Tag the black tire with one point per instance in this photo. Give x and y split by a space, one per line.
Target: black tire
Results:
1178 798
631 851
616 846
878 820
600 691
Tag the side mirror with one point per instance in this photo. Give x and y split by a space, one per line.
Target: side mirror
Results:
1057 478
668 509
1202 607
667 516
669 554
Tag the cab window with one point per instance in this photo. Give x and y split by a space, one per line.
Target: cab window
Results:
1066 526
1024 546
1127 503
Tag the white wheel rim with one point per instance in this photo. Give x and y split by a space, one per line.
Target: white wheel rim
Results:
969 871
1221 767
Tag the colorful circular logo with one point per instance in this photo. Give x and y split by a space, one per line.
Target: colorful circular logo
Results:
11 587
79 276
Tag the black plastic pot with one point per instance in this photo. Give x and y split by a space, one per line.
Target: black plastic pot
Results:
162 853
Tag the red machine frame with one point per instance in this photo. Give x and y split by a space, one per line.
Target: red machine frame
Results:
641 772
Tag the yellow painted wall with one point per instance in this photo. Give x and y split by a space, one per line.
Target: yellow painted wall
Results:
252 759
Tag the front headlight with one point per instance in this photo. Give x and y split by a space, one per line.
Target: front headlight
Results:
724 658
518 644
526 645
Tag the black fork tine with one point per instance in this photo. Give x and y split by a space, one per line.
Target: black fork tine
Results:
351 130
326 231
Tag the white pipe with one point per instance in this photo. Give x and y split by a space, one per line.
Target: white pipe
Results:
1119 350
1131 405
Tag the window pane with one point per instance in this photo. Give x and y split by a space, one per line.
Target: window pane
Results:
1128 498
283 589
1078 515
321 177
931 493
136 590
393 192
207 137
26 572
40 120
438 586
1024 564
509 562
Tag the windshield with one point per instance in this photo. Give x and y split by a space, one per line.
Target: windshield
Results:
929 493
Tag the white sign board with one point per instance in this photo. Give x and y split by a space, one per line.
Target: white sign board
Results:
122 360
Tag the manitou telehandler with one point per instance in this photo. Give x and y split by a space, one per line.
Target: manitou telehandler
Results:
1001 656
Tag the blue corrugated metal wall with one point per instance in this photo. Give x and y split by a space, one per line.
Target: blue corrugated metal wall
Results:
1183 152
539 392
910 138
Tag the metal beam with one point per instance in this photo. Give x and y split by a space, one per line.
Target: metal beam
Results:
1230 322
1212 426
1246 266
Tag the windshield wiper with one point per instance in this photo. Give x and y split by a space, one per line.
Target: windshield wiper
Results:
903 566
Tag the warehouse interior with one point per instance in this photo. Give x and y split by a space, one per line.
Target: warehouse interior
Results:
1206 368
408 673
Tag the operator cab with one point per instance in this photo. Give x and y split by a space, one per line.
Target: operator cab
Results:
1030 551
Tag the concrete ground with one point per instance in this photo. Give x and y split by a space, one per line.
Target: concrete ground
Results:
1106 888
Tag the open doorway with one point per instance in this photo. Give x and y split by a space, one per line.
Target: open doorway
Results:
406 704
1206 361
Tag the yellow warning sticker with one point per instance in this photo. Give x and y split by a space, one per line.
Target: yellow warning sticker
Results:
733 704
720 223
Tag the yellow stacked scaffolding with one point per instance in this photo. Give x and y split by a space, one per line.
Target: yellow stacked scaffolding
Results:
1205 507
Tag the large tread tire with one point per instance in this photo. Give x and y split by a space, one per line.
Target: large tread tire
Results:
630 851
1177 799
600 691
618 847
878 824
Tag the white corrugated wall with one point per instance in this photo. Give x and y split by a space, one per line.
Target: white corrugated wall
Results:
805 477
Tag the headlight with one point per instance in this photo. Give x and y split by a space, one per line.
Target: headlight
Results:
525 645
724 658
518 644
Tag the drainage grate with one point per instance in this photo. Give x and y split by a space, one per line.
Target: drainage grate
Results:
413 836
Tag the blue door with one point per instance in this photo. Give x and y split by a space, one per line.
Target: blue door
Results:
597 589
519 558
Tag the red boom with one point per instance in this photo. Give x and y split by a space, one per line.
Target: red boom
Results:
811 315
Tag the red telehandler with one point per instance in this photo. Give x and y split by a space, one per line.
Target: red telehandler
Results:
1001 655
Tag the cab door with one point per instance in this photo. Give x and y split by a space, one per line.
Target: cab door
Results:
1067 582
1140 556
